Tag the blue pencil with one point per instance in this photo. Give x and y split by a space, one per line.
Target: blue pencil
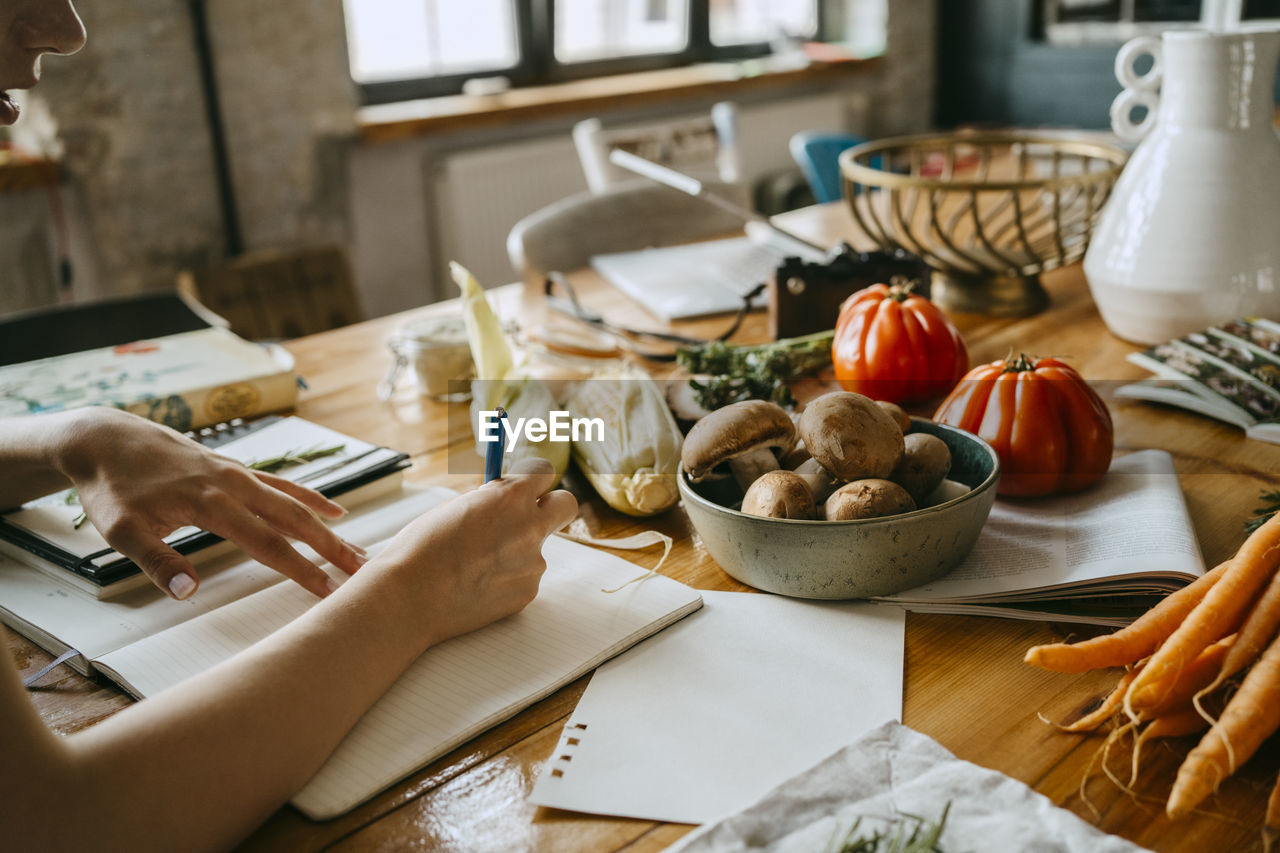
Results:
493 456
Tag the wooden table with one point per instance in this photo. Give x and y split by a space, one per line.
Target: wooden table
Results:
965 683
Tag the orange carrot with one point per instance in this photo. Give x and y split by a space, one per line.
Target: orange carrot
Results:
1103 712
1219 613
1184 722
1255 634
1131 643
1191 683
1251 715
1271 826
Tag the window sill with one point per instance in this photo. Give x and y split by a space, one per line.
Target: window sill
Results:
408 119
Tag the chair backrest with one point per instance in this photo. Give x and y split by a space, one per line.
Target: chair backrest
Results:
816 153
564 235
705 147
279 294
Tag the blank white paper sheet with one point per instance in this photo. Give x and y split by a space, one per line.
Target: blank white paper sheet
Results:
705 718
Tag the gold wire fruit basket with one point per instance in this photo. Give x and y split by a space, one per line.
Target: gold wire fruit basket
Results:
989 212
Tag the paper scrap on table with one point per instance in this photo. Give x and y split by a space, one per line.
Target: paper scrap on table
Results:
894 770
707 716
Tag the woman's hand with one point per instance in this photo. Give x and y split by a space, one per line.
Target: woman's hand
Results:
478 557
139 481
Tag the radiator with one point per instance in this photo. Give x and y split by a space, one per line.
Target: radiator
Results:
480 195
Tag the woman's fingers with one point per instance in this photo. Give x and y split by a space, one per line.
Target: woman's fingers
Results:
309 497
168 570
558 509
295 519
531 476
230 520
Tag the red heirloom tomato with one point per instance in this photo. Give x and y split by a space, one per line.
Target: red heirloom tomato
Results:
891 344
1051 430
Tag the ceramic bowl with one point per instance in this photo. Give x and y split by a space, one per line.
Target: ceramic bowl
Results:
854 559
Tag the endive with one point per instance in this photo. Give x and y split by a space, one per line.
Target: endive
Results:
634 464
502 380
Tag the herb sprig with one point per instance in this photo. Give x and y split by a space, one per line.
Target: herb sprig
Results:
907 834
754 372
1269 508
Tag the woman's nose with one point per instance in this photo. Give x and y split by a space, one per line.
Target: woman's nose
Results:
53 26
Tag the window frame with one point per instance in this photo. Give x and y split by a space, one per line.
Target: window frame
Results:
535 40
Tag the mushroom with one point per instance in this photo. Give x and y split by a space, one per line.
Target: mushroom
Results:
820 482
899 415
740 439
795 457
850 436
871 498
779 494
925 462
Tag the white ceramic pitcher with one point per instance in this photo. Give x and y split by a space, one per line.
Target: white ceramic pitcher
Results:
1191 234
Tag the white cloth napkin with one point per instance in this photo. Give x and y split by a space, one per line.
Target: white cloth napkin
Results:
894 770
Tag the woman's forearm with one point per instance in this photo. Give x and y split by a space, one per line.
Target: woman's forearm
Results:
27 458
234 744
200 765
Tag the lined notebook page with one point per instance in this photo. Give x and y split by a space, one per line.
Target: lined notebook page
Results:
454 691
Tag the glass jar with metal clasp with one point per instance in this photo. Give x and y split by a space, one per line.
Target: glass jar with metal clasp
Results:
438 355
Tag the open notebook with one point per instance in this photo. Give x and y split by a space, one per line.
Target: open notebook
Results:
452 693
697 279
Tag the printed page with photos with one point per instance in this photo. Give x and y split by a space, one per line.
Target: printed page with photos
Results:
1230 372
1100 556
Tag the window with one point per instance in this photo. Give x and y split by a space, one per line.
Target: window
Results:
1072 22
401 49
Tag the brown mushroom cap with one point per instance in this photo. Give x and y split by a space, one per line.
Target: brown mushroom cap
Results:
870 498
851 436
779 494
732 431
899 415
925 463
817 478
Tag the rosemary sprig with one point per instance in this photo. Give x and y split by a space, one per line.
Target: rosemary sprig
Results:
1269 508
73 499
293 457
270 466
907 834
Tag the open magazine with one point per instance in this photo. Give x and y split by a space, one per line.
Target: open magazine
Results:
1230 372
1102 556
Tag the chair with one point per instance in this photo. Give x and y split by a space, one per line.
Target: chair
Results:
817 153
703 147
636 215
278 294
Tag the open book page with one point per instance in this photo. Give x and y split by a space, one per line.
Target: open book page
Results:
1130 531
454 691
708 716
65 618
